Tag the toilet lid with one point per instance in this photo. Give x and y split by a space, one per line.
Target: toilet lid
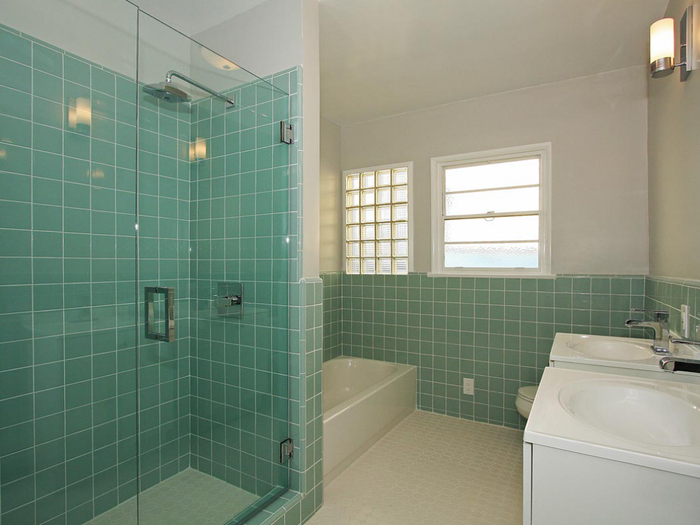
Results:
527 392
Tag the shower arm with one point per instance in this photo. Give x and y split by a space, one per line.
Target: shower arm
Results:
173 73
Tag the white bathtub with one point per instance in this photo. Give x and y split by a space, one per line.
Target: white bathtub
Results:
363 399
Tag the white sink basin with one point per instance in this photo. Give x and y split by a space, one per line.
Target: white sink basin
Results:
616 355
636 412
611 349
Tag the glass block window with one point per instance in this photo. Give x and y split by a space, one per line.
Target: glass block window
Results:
492 213
377 221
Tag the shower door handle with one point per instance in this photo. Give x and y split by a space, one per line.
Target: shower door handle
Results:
169 297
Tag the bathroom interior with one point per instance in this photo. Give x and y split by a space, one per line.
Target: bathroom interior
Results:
388 262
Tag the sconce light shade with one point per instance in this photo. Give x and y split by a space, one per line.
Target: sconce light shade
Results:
662 47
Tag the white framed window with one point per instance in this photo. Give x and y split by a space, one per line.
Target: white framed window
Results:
378 219
491 212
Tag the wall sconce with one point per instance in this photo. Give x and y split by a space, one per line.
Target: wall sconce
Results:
80 114
662 46
198 149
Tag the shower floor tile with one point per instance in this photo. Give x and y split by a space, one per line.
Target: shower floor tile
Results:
431 469
187 498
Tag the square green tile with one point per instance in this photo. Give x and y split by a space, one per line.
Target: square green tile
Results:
15 103
15 76
15 47
47 86
15 131
48 60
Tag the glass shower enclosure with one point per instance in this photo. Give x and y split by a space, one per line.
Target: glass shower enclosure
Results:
144 273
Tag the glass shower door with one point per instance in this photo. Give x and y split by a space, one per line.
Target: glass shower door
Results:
68 406
213 203
144 272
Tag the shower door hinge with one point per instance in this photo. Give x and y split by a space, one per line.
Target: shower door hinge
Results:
286 132
286 450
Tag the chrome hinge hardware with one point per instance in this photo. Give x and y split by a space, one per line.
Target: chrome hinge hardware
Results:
286 450
286 132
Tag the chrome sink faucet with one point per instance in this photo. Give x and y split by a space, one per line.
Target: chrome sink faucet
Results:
659 325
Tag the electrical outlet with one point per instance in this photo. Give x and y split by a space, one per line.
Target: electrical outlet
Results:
468 386
685 321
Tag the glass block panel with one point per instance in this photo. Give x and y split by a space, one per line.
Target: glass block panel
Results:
400 194
400 176
384 266
384 178
401 266
368 266
384 249
352 233
377 215
400 249
352 266
368 214
493 175
353 216
526 228
352 199
498 201
503 255
352 182
400 230
384 231
368 249
400 212
383 213
384 196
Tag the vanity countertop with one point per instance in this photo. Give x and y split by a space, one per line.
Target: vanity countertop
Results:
646 422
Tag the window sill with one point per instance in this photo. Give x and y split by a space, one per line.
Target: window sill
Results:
496 275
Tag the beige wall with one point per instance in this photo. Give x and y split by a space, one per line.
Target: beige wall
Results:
265 39
311 110
674 170
331 198
598 129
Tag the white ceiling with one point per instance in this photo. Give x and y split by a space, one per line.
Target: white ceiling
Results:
192 17
383 57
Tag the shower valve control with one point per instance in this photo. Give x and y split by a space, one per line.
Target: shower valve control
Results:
229 300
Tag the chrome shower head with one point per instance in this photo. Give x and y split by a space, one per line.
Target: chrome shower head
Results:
167 92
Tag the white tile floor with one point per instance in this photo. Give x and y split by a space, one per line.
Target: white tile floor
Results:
431 469
187 498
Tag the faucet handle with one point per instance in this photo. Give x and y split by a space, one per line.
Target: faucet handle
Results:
690 342
658 315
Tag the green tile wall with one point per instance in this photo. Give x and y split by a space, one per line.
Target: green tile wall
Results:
68 286
164 251
332 315
670 294
240 230
306 361
498 331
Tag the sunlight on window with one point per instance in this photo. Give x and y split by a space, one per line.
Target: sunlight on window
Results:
491 214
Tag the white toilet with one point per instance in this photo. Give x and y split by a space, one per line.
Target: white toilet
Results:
526 395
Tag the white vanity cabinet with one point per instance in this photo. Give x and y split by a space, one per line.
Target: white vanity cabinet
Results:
567 488
604 449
